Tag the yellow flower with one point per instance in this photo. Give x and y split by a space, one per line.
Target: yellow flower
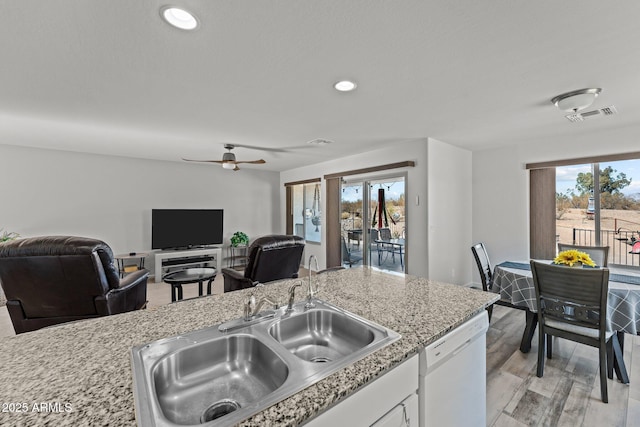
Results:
573 256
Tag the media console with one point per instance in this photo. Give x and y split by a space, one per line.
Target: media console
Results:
169 259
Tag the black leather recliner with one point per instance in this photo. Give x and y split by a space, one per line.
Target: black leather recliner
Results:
271 258
58 279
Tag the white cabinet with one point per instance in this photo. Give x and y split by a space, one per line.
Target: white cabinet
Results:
403 415
170 260
379 403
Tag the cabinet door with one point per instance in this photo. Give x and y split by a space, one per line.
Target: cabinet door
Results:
403 415
373 401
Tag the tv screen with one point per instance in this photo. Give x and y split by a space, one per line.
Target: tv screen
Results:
185 228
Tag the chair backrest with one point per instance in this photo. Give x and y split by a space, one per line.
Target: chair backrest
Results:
274 257
374 235
599 254
385 234
346 254
57 275
483 263
576 296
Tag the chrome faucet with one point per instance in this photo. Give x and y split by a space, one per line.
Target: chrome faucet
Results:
251 309
292 295
311 293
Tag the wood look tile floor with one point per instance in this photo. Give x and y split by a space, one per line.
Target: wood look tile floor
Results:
569 392
567 395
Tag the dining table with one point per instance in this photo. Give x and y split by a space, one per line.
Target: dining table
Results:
513 280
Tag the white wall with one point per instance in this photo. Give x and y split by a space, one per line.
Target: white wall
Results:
450 187
501 189
415 150
449 218
46 192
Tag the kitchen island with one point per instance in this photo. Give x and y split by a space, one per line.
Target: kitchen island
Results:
80 373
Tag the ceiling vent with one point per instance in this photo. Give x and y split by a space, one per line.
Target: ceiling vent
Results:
581 117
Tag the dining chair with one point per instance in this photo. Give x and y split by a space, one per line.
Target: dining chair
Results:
599 254
486 275
572 304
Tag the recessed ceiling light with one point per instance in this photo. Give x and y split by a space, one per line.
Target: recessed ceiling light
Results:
179 18
345 86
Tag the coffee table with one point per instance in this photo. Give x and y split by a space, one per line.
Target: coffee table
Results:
190 275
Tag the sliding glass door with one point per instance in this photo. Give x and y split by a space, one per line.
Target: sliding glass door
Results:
373 222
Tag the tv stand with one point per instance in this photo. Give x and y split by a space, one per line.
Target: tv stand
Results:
179 259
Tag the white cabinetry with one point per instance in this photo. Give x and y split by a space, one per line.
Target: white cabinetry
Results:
170 260
388 398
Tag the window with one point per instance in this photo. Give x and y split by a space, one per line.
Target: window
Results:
305 210
608 217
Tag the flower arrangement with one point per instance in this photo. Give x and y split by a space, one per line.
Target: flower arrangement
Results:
6 236
239 239
573 256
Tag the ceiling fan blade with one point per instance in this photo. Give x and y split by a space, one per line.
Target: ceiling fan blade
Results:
255 162
207 161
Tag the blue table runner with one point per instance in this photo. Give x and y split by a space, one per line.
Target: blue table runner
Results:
518 265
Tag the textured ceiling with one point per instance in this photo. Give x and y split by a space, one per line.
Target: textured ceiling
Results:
111 77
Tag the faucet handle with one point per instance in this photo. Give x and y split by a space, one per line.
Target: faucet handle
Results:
249 306
292 295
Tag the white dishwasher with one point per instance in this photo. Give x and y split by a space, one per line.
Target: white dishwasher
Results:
453 377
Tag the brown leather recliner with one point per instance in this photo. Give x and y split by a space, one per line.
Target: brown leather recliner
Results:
57 279
271 258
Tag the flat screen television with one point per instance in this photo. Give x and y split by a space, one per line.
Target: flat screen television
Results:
185 228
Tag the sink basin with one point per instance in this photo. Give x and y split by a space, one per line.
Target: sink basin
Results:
207 381
322 336
219 376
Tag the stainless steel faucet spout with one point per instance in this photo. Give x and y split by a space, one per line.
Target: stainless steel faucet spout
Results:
311 293
292 295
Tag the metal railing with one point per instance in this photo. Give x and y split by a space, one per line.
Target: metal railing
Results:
619 249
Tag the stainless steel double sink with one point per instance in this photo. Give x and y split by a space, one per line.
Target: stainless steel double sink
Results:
218 377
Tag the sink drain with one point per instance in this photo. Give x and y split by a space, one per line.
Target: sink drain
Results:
219 409
320 359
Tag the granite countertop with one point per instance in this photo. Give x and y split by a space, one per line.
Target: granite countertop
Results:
80 373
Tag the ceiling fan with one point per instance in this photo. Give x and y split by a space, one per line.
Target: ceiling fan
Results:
229 159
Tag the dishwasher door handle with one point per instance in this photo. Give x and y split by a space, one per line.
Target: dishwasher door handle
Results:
462 347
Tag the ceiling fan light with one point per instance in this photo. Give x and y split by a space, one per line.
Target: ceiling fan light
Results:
228 165
576 100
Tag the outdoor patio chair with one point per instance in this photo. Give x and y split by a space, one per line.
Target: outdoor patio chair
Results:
347 256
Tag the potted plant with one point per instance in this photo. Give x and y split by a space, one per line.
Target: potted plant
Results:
239 239
6 236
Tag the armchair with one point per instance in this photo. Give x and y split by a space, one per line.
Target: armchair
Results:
271 258
58 279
